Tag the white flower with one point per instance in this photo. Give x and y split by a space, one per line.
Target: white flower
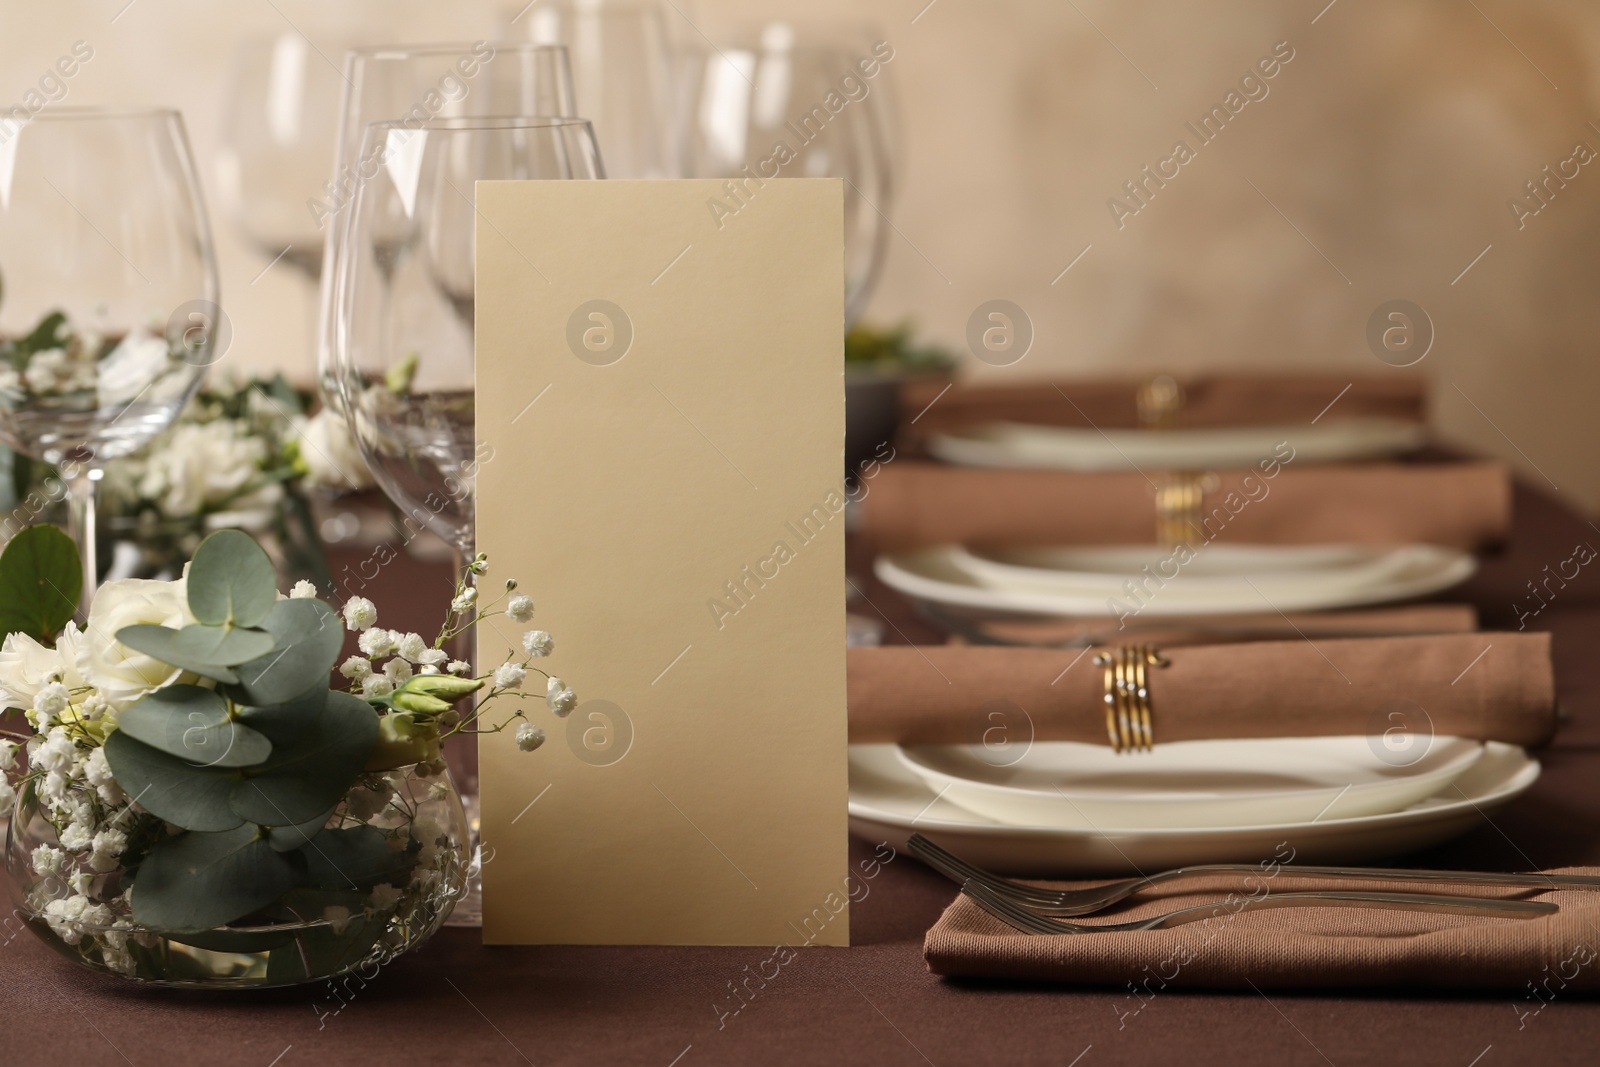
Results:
359 614
110 841
459 666
520 609
397 671
383 897
464 601
26 666
560 698
331 458
64 915
48 860
356 668
529 737
433 657
8 797
538 643
49 702
303 590
337 917
76 838
120 674
376 642
427 668
509 676
8 755
412 647
363 804
202 466
10 383
376 685
57 754
98 774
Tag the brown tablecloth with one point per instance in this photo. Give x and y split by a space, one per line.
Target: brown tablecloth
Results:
454 1001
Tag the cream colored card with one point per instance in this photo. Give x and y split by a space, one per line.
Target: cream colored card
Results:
660 408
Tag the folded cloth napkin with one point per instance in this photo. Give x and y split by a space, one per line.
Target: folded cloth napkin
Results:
1223 629
912 504
1290 948
1491 687
1213 400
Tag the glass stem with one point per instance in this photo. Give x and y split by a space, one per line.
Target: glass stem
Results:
81 486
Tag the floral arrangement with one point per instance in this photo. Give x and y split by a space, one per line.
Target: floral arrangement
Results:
193 778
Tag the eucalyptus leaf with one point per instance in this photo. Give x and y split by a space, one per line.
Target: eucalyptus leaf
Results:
173 789
198 881
231 580
289 838
162 642
309 638
193 724
41 578
221 645
284 723
320 951
313 773
357 857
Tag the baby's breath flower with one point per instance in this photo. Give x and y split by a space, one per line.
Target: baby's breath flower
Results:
464 601
411 647
359 614
397 670
375 642
337 917
459 666
509 676
538 643
356 668
479 564
303 590
76 838
376 685
51 700
520 609
529 737
8 754
433 657
560 697
383 897
427 668
48 860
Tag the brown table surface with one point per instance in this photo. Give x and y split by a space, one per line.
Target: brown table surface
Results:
454 1001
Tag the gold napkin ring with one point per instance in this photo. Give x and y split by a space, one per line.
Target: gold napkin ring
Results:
1159 401
1127 695
1180 501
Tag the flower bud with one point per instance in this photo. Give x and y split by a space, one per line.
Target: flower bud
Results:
430 694
402 741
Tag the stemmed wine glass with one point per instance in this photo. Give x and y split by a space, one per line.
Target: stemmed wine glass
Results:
416 85
403 342
811 99
108 314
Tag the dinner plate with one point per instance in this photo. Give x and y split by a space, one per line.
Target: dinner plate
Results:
1067 784
1217 579
1013 444
888 803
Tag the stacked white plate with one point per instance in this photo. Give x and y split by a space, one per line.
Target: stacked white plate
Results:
1218 579
1062 808
1012 444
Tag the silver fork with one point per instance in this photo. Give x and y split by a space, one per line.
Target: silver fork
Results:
1098 898
1021 917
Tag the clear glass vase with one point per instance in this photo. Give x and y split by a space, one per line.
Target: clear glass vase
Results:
294 941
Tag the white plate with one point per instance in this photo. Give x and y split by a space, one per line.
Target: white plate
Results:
1012 444
1242 782
1219 579
888 803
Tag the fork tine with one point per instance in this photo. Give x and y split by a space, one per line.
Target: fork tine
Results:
959 870
1009 912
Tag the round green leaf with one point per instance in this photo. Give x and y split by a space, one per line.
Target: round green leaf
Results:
284 723
41 578
173 789
308 639
231 580
311 774
357 857
199 881
193 724
289 838
163 642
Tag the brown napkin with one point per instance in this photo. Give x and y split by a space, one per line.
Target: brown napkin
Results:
1214 400
1223 629
945 694
1289 948
911 504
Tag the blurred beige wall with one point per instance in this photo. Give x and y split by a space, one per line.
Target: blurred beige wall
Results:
1378 166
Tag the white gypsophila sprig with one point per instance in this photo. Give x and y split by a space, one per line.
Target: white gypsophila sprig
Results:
359 614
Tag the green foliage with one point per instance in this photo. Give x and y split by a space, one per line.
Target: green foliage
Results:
195 725
198 881
310 775
307 638
893 350
41 579
231 582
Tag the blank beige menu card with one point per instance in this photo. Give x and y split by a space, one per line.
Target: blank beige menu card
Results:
660 427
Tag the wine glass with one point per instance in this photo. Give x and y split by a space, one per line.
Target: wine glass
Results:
784 108
417 86
623 75
403 339
108 314
279 131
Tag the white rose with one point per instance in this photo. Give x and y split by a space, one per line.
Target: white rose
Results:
331 457
120 674
201 465
26 666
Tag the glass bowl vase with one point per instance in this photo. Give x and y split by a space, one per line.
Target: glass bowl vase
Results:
305 937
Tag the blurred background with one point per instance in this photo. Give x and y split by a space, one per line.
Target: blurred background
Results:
1383 160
